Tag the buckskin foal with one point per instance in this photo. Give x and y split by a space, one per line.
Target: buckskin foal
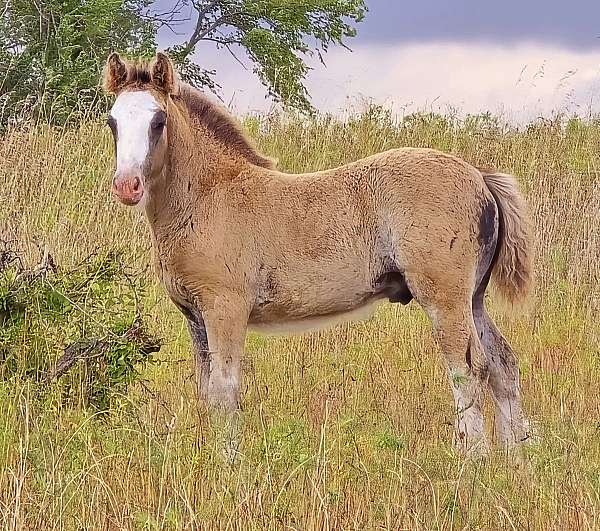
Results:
238 244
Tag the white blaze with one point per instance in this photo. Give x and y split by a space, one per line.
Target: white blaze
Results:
133 112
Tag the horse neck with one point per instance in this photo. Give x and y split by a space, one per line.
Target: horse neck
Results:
196 162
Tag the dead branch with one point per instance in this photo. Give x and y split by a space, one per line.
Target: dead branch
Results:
96 347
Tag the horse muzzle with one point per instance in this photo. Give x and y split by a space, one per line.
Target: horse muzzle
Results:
128 189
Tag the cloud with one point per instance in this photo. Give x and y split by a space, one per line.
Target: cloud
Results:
520 82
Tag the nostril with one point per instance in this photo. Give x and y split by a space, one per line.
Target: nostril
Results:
136 185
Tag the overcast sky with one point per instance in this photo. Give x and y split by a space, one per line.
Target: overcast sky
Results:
573 24
521 59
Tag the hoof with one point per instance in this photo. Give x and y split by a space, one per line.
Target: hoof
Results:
525 434
228 435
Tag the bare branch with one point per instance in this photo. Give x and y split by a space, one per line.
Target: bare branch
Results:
96 347
235 56
201 32
224 41
170 18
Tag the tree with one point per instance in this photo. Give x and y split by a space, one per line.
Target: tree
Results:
52 51
277 35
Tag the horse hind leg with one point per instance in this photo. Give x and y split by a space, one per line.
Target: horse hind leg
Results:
512 427
461 347
454 327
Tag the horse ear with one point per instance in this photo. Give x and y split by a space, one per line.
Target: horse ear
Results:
163 74
115 73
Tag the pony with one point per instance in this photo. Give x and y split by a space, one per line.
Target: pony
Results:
240 245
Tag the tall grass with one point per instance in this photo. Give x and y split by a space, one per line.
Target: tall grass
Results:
345 429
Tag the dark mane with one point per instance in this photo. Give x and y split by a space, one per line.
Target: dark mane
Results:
221 124
215 118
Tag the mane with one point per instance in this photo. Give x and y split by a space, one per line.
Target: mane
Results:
213 116
137 74
221 124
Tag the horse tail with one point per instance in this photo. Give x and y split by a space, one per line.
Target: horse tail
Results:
513 270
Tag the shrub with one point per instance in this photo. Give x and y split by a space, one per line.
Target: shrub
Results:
84 326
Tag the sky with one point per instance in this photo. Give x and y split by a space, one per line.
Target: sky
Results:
519 59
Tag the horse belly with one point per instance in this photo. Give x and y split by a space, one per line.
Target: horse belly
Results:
313 323
299 304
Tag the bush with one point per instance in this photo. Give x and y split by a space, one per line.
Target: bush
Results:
84 326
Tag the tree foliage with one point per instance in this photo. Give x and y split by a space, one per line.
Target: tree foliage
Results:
51 52
277 36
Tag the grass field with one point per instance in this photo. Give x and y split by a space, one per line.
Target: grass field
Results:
345 429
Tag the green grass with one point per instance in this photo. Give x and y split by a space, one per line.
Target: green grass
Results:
344 429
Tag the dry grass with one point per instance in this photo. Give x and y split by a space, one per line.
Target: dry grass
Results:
347 429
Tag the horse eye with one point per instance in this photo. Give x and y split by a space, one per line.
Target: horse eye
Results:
159 120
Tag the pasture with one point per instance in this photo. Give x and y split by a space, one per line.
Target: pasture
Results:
345 429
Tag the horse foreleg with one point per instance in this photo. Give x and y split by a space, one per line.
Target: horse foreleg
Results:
201 354
226 320
226 323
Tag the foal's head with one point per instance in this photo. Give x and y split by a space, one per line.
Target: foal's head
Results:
138 121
